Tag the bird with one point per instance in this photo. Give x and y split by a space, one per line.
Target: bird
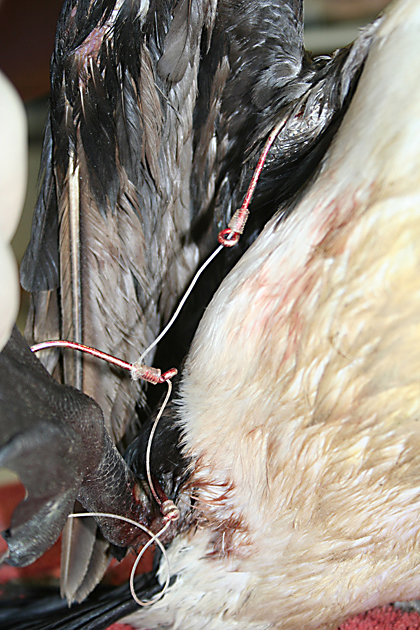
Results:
292 438
151 138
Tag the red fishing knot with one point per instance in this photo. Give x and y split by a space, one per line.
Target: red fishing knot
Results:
238 221
151 374
231 235
146 373
169 511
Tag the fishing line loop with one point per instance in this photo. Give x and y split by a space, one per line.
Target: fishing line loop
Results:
154 538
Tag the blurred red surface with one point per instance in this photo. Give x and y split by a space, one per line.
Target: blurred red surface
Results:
384 618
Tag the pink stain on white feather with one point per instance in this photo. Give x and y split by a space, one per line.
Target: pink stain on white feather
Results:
319 328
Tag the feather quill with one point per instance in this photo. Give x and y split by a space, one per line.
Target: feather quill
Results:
71 277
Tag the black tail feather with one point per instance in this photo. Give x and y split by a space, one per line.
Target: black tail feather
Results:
43 609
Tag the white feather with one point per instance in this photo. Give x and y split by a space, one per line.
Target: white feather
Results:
301 393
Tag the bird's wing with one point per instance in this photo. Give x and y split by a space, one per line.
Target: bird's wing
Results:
110 251
114 207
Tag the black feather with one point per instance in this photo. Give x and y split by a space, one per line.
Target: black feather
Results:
43 609
39 269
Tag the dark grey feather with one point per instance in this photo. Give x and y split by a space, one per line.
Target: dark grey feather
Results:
39 269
